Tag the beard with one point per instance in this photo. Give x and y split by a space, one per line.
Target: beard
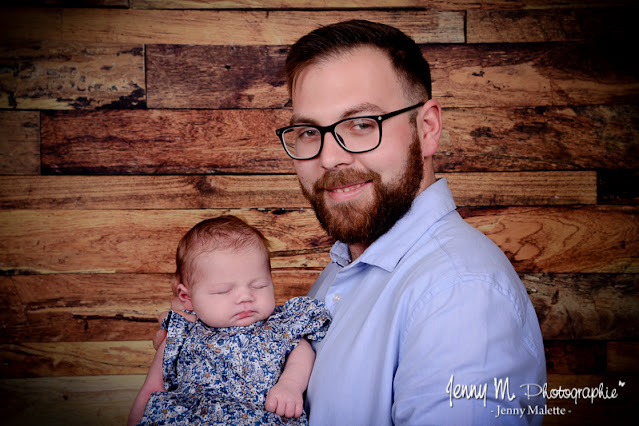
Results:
352 223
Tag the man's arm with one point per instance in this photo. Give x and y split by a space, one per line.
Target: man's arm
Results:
152 383
462 340
285 398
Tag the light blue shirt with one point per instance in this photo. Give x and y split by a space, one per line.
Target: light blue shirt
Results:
430 311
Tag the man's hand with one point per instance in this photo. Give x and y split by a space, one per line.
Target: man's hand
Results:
177 306
285 399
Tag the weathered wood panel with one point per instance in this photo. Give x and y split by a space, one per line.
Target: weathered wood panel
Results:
623 356
102 307
220 27
618 186
140 240
365 4
541 138
152 141
563 239
542 25
532 75
52 75
244 141
19 143
575 356
536 239
481 75
585 306
69 401
272 191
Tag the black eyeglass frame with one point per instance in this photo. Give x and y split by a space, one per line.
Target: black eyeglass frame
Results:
325 129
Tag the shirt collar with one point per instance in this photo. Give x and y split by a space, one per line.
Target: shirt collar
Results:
432 204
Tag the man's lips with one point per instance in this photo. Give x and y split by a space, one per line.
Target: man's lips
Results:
347 188
348 192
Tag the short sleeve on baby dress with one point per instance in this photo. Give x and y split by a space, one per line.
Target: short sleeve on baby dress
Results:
304 317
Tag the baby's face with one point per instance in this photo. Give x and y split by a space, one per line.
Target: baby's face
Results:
232 287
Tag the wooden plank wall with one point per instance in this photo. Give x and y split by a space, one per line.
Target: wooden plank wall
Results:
124 122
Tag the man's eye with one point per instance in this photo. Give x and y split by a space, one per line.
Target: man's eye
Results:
308 133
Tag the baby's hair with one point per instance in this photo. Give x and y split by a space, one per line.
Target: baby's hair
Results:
223 232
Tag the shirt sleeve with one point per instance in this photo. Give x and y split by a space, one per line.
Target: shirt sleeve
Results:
459 343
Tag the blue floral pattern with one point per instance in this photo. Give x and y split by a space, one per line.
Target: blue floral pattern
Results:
222 375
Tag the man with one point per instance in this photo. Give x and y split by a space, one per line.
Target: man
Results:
431 324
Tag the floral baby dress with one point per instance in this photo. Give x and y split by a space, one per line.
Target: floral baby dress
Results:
222 375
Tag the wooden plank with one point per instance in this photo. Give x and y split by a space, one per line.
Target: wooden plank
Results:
102 307
234 76
544 74
618 186
69 401
272 191
237 27
365 4
54 75
623 356
542 138
544 25
140 240
536 239
19 143
481 75
563 239
575 356
172 142
244 141
75 358
585 306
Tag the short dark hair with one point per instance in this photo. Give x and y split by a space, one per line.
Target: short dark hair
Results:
214 234
335 39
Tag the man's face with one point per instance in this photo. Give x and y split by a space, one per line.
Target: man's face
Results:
358 197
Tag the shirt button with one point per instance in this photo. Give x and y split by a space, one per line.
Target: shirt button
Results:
336 297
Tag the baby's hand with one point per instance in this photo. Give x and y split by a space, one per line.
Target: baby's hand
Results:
284 399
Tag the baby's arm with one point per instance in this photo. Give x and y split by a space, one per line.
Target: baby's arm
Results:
286 397
152 383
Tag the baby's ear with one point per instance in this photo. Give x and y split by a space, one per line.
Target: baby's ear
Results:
184 295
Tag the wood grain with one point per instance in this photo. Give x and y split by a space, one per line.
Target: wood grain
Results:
363 4
530 75
585 306
19 143
102 307
481 75
272 191
222 27
563 239
55 75
244 141
551 239
544 25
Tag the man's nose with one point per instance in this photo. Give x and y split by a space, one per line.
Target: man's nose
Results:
333 155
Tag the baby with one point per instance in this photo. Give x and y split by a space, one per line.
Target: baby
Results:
243 361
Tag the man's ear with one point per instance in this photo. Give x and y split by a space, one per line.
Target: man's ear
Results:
184 295
429 126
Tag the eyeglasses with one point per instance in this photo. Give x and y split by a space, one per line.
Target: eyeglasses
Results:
354 135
